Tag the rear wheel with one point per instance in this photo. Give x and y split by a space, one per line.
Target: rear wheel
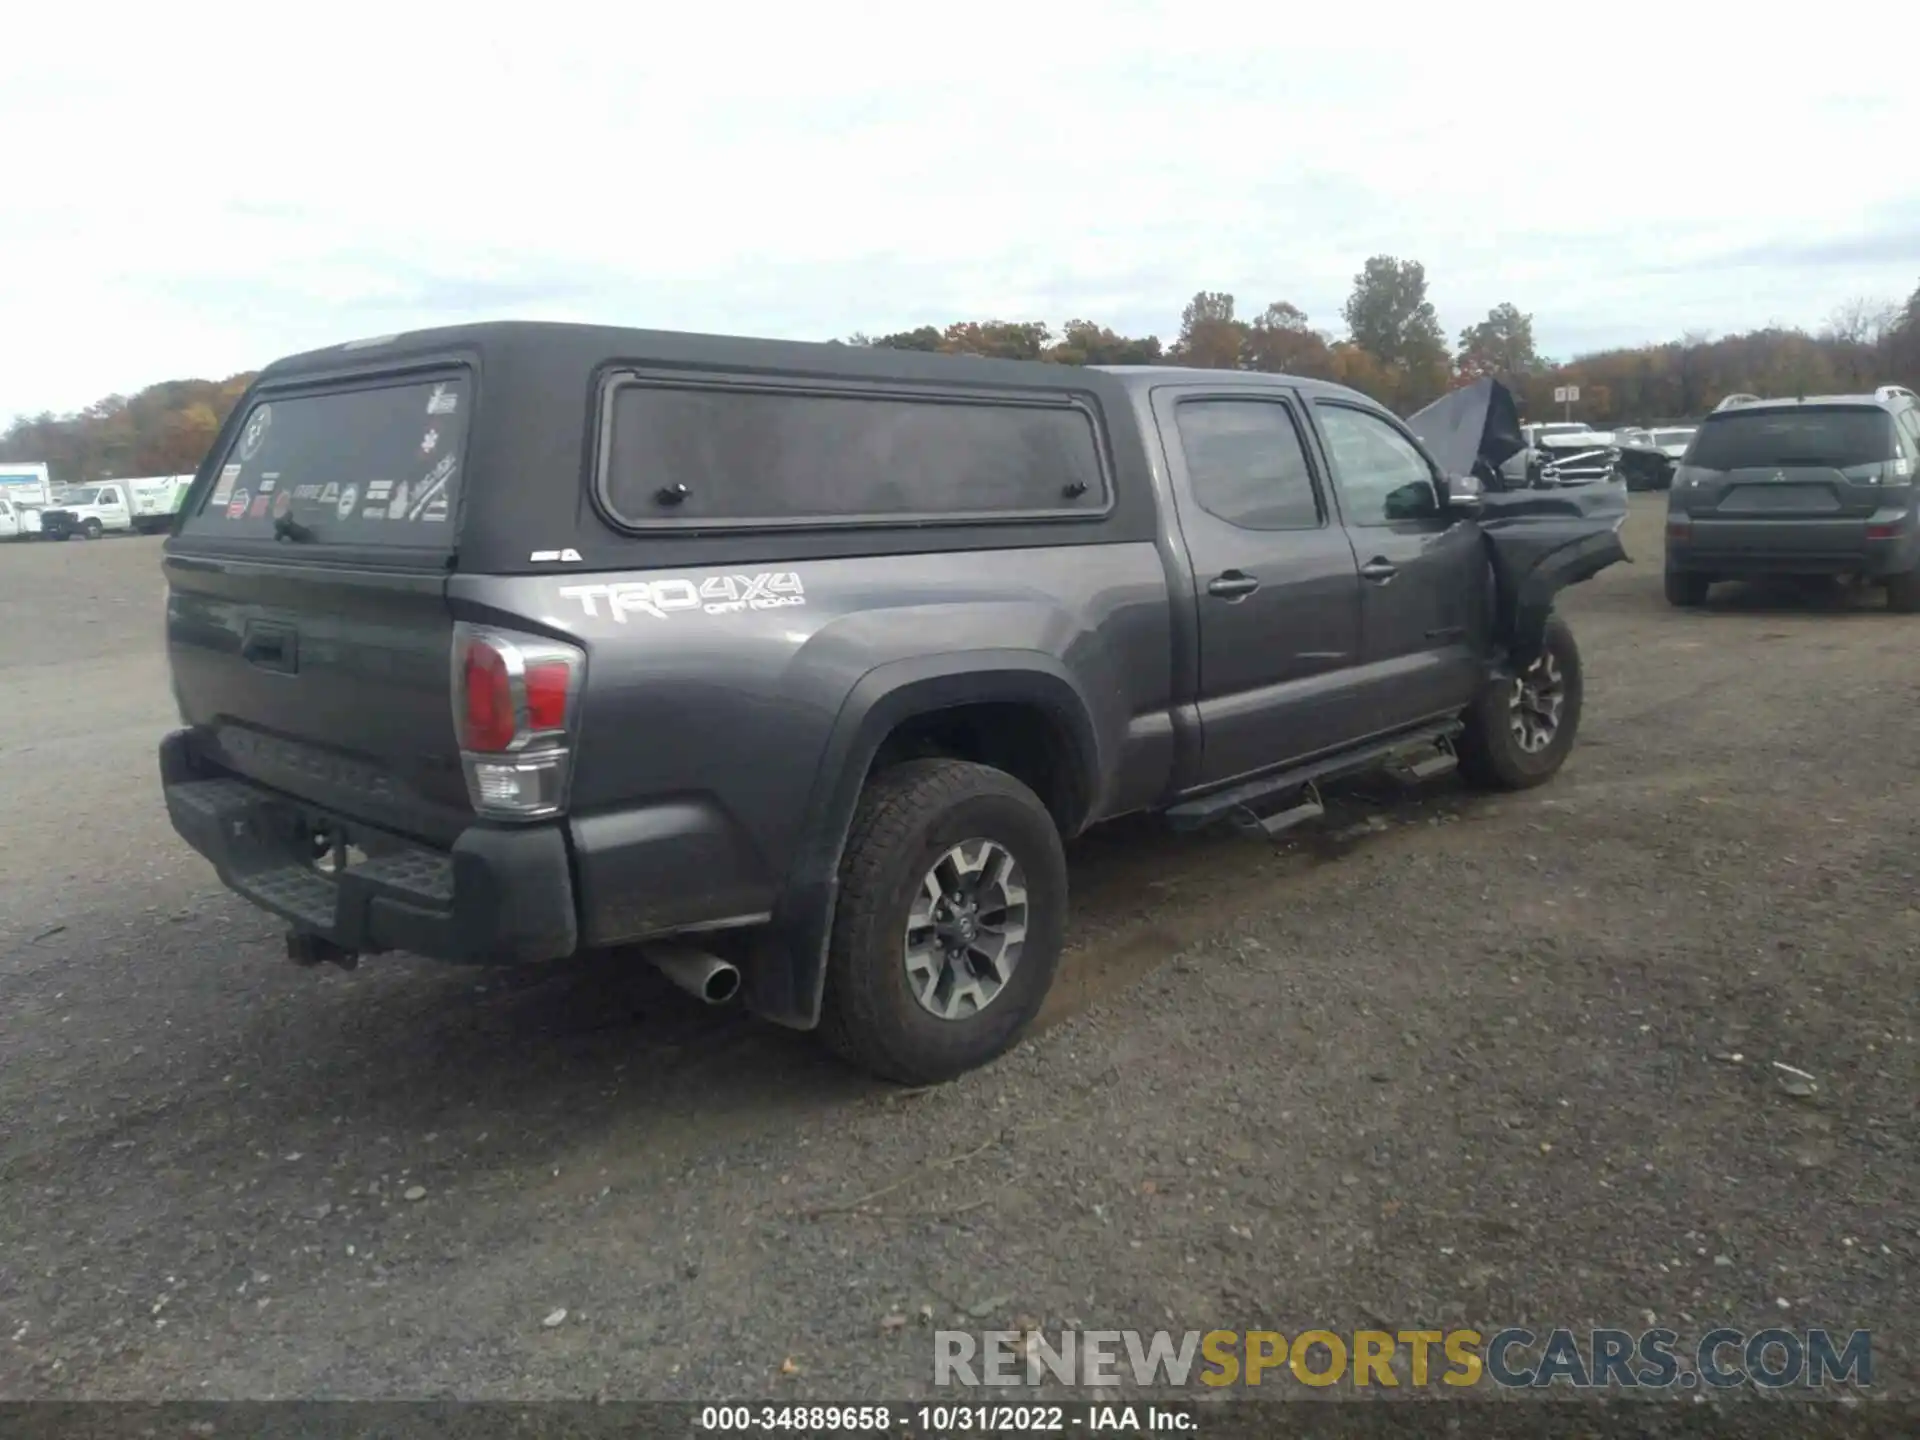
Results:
1520 730
1903 592
952 912
1686 588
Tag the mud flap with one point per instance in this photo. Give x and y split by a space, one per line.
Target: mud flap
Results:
1540 543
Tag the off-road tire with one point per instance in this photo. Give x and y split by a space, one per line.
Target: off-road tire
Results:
908 816
91 529
1687 588
1490 755
1903 593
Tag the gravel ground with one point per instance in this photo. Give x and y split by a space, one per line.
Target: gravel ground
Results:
1450 1060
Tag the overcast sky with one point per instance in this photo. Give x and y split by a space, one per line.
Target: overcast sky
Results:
193 192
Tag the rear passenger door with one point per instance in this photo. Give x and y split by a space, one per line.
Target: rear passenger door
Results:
1275 587
1424 604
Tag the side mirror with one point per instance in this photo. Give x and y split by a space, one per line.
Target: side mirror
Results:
1465 495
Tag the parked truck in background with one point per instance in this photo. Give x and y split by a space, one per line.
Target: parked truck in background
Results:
88 511
28 490
155 499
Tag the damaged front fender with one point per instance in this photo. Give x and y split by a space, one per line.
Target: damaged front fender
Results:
1540 542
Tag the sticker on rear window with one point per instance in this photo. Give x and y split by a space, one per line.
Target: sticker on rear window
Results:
238 505
255 435
223 488
357 463
431 497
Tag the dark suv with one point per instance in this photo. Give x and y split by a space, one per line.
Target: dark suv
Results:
793 666
1822 485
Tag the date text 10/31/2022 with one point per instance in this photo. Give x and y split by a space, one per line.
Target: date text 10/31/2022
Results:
949 1418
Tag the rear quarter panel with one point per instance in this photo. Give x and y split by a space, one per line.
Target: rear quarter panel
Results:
730 705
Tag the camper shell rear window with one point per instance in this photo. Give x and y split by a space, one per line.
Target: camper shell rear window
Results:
373 464
724 453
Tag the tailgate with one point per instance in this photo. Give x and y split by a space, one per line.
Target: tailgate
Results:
1786 492
308 628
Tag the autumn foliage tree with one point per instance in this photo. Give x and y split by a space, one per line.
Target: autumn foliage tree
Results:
1500 345
1390 318
166 429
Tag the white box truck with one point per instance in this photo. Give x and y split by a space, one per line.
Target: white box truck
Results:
155 500
25 490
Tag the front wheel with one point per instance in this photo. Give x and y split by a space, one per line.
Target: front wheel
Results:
952 913
90 528
1520 730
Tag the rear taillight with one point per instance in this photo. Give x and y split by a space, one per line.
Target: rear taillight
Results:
1679 527
515 707
1891 473
1884 532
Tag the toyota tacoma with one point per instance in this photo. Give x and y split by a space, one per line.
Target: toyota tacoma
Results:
789 667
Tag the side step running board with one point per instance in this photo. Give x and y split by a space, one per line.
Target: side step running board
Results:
1308 807
1414 754
1429 764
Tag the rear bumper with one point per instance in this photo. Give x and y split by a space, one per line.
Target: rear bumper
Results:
1799 546
501 895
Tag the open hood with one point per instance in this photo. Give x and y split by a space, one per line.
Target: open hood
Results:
1471 431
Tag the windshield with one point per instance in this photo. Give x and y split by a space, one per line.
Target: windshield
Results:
375 465
79 497
1838 437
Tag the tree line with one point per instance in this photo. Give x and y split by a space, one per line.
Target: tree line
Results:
1391 347
166 429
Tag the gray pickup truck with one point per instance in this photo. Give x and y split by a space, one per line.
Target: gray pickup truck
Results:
792 666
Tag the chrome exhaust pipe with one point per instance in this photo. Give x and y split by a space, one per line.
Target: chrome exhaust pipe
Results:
706 977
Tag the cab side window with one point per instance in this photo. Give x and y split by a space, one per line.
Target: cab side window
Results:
1383 478
1248 464
109 496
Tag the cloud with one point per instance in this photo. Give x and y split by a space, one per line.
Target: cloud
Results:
199 198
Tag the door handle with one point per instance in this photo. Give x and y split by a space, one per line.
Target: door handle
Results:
1379 570
1233 584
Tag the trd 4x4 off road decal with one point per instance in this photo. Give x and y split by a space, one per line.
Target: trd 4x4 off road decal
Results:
713 594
